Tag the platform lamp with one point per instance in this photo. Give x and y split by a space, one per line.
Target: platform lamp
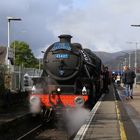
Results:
7 61
135 25
136 44
9 20
129 58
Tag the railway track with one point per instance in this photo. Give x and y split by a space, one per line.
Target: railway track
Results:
48 131
29 127
15 128
62 129
30 132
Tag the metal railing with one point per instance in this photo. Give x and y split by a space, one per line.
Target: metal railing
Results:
14 78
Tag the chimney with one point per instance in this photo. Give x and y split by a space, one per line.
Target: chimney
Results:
65 38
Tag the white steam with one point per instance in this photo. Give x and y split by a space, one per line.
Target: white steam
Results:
75 119
35 106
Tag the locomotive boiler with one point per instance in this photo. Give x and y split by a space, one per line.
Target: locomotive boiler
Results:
71 77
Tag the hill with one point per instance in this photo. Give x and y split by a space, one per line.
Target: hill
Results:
117 60
105 56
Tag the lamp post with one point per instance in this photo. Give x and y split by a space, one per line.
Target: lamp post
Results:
129 58
135 64
121 68
125 61
135 25
9 20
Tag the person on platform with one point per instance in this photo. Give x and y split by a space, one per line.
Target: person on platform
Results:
118 79
128 80
106 80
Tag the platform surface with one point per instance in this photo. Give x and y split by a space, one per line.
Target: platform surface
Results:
114 118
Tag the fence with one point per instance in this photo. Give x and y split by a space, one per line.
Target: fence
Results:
18 76
15 78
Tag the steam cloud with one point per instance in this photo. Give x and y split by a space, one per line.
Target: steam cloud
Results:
75 119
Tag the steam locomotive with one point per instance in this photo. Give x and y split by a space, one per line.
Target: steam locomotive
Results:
71 78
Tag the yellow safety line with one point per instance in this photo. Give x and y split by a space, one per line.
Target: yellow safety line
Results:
122 130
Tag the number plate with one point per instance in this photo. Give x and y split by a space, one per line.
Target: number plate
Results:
62 56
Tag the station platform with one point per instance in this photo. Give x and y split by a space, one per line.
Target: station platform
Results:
113 118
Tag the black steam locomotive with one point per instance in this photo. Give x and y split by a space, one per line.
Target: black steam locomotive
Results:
71 77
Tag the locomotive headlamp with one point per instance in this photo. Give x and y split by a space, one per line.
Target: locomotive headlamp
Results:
79 101
34 100
58 89
35 104
84 91
34 89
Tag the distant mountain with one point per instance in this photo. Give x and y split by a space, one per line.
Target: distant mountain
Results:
117 60
106 57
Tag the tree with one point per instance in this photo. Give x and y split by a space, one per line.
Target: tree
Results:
23 55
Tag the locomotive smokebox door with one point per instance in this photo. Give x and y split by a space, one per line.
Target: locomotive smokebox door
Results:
60 60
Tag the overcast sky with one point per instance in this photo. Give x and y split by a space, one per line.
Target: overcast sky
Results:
101 25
